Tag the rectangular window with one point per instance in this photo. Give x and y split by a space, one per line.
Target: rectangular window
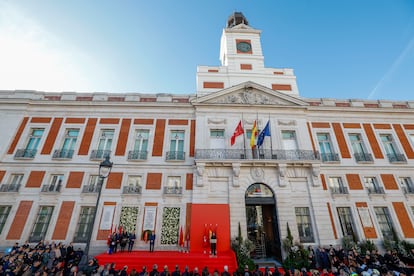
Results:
140 151
16 179
385 222
41 224
347 223
93 185
217 140
176 145
69 143
105 143
407 185
134 185
303 221
411 136
217 133
55 183
358 147
32 144
391 148
14 183
373 186
289 140
4 213
325 147
85 224
336 185
173 185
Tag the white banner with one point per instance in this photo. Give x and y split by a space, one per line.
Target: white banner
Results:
107 215
365 216
149 218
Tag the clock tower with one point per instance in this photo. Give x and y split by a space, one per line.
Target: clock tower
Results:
242 60
240 44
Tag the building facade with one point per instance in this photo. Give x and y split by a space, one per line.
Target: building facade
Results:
244 150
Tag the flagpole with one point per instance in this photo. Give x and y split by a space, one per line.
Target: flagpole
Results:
271 140
244 138
257 129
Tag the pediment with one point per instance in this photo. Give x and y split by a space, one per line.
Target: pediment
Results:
250 93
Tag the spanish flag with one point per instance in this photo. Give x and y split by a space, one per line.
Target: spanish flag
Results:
253 136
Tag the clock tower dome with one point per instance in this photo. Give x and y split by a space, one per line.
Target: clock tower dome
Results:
242 60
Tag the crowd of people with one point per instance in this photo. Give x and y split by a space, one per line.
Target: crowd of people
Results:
340 262
46 258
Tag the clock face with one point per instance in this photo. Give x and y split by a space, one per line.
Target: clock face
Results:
244 47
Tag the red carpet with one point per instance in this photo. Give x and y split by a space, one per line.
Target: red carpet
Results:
137 259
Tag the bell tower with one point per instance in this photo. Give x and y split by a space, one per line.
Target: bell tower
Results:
242 60
240 44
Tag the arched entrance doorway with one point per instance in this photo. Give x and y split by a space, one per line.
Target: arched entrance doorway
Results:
262 222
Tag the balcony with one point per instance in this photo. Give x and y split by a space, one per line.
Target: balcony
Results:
100 154
9 188
375 190
363 157
396 158
339 190
248 154
62 154
408 190
25 153
137 155
51 188
175 155
131 190
173 190
90 189
330 157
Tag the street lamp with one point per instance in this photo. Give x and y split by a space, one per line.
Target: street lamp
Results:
105 168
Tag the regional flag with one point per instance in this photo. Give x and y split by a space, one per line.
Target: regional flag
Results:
265 132
237 132
253 136
181 241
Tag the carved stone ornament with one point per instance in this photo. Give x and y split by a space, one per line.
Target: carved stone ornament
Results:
216 121
247 97
257 173
286 122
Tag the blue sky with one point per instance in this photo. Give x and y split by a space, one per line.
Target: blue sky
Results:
353 49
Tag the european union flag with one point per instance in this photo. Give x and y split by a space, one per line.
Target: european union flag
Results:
265 132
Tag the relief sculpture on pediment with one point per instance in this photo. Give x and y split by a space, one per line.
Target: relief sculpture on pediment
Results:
247 97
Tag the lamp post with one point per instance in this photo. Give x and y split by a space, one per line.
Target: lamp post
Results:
105 168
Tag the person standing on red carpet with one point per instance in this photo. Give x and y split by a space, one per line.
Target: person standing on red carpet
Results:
152 241
213 244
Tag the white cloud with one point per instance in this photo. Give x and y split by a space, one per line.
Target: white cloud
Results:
33 58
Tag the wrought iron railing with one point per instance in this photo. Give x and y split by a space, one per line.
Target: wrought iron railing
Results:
90 188
363 157
329 157
137 155
175 155
100 154
237 154
131 190
340 190
376 190
9 188
25 153
51 188
173 190
63 154
396 157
